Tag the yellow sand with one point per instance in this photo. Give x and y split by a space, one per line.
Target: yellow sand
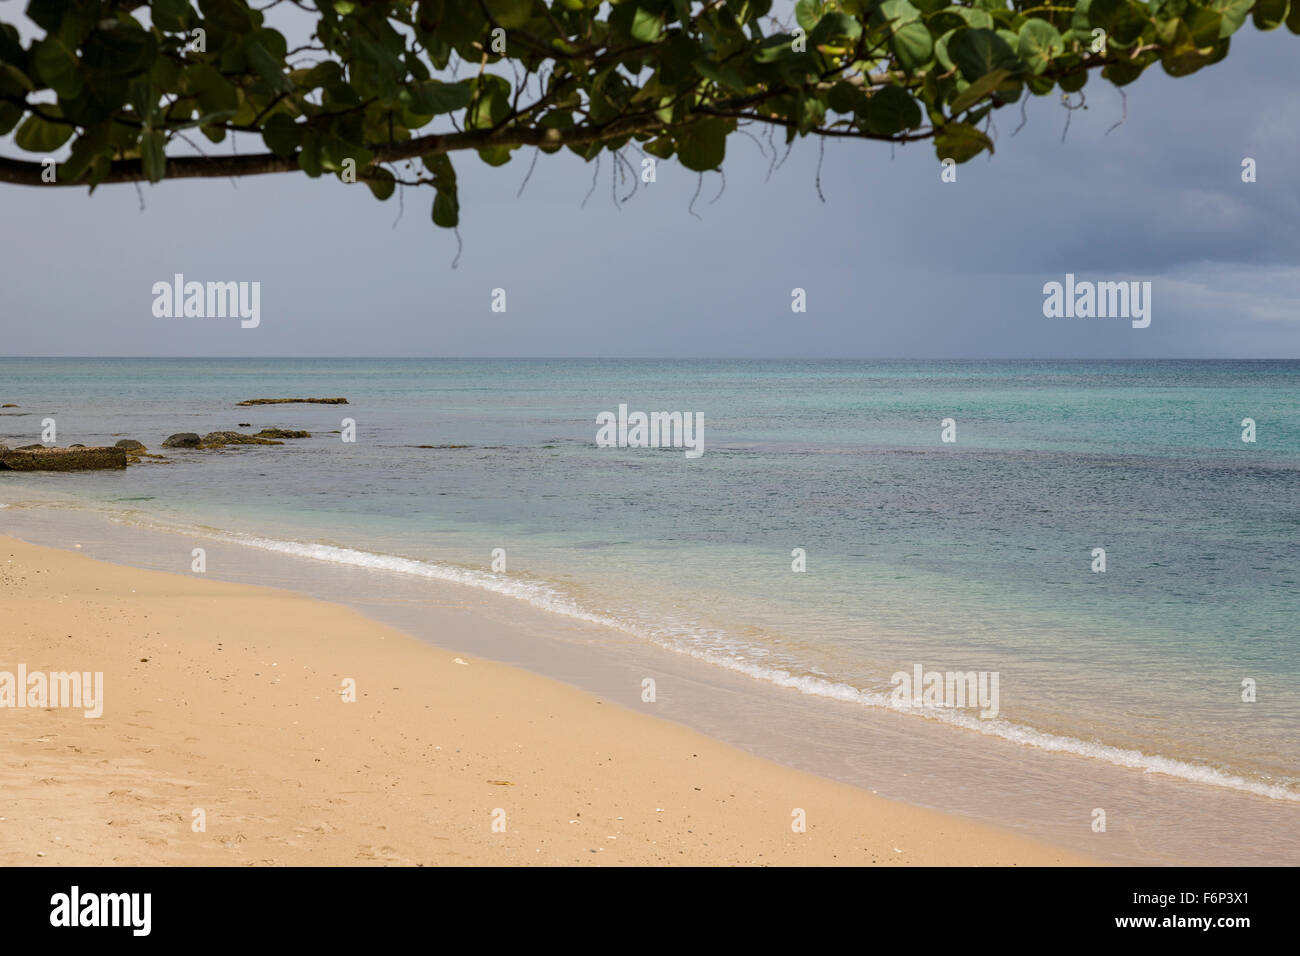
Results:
228 698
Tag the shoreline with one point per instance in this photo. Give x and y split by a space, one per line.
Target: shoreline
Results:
1046 797
225 698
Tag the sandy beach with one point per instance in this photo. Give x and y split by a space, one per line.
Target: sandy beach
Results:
230 700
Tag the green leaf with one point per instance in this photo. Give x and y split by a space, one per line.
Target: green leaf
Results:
1039 44
1073 82
1123 20
661 146
704 145
125 50
960 142
1270 14
214 92
309 155
909 37
1163 10
10 114
492 104
38 135
446 205
837 30
778 46
13 81
268 67
446 208
281 134
1233 12
647 27
891 110
153 155
727 75
48 14
381 183
89 147
510 14
807 13
1122 74
495 155
226 16
58 67
1205 25
171 16
981 88
846 98
434 97
977 52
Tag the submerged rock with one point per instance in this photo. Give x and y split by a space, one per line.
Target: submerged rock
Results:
282 433
131 445
182 440
40 458
8 405
291 401
219 439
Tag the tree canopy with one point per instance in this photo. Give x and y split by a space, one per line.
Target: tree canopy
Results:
386 91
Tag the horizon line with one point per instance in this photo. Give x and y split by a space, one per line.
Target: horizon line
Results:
677 358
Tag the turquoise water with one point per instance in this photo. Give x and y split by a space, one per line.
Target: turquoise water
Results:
974 555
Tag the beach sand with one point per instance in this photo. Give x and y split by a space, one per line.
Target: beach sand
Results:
228 699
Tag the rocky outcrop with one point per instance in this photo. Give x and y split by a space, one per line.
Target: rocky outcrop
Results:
221 439
41 458
267 436
131 446
293 401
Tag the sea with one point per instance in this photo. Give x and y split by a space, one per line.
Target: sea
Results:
1098 534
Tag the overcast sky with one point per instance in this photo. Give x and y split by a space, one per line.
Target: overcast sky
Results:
896 263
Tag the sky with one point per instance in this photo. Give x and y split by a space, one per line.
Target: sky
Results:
895 263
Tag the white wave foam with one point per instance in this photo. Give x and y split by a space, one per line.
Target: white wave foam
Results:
549 599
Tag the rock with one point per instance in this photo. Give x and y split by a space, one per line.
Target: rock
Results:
182 440
28 447
76 446
41 458
291 401
220 439
245 424
8 405
131 445
282 433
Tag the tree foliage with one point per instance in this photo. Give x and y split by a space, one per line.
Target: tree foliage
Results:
386 82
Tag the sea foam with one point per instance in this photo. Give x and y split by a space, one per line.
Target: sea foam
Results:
684 639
